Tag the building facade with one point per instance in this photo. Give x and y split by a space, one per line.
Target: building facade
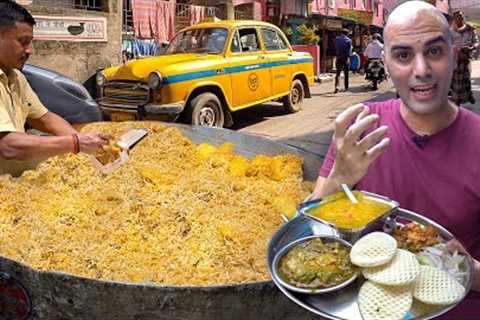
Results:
76 38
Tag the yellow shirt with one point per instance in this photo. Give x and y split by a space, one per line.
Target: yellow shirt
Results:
18 102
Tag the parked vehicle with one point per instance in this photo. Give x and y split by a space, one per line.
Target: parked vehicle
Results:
209 71
63 96
375 72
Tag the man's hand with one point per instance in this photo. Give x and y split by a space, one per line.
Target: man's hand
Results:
353 153
455 245
90 143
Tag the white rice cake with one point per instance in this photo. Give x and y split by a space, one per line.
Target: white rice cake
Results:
377 302
374 249
420 309
402 270
437 287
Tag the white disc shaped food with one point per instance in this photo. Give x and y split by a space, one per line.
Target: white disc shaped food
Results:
377 302
435 286
402 270
374 249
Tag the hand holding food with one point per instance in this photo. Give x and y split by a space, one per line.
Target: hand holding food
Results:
91 142
108 153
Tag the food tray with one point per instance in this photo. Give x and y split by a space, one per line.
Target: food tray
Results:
352 235
342 304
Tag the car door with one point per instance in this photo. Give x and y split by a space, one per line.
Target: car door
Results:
248 68
278 54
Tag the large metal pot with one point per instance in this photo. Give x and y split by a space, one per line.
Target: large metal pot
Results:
61 296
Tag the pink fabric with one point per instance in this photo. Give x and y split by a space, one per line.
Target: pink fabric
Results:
440 180
197 14
288 7
165 28
142 13
240 2
153 19
257 11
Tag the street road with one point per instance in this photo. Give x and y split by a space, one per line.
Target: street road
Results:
311 128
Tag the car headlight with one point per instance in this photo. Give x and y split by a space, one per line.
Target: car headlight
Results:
101 80
155 80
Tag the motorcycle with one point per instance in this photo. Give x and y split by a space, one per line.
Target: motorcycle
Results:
375 72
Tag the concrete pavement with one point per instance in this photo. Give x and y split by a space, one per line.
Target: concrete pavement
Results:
311 128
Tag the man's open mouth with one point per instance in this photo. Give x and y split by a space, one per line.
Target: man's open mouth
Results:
424 89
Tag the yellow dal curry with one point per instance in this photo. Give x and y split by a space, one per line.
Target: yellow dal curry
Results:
341 212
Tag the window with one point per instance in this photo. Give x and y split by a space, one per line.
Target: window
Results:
247 40
236 43
127 23
272 40
208 40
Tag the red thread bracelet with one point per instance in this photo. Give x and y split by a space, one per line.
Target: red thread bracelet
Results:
76 143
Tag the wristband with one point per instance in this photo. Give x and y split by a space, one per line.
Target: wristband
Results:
76 143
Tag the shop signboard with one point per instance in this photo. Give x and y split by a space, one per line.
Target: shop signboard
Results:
333 24
364 17
59 28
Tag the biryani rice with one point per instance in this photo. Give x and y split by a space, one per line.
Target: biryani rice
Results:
174 214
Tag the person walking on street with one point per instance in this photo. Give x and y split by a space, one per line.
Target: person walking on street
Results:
466 43
343 49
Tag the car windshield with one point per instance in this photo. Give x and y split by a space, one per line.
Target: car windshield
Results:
207 40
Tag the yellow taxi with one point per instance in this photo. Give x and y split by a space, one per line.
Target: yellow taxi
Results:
207 72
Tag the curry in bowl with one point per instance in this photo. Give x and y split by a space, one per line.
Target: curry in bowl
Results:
314 263
339 211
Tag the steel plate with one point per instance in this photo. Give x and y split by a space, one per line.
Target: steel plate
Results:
342 304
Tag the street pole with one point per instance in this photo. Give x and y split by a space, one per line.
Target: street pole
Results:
230 10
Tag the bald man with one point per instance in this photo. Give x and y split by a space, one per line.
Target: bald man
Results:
421 150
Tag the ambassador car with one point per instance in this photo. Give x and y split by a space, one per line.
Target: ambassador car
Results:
209 71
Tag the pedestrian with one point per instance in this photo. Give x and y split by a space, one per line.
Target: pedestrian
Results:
19 104
343 49
466 43
421 149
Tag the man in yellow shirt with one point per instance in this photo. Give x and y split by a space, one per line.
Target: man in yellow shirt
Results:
19 104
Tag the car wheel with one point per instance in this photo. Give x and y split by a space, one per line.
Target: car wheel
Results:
206 110
294 101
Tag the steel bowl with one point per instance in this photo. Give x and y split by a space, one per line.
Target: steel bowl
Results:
276 261
352 235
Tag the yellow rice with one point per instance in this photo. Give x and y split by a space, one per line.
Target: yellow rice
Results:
175 214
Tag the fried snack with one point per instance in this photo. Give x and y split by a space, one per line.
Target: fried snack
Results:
173 215
378 302
109 153
414 236
402 270
373 250
437 287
